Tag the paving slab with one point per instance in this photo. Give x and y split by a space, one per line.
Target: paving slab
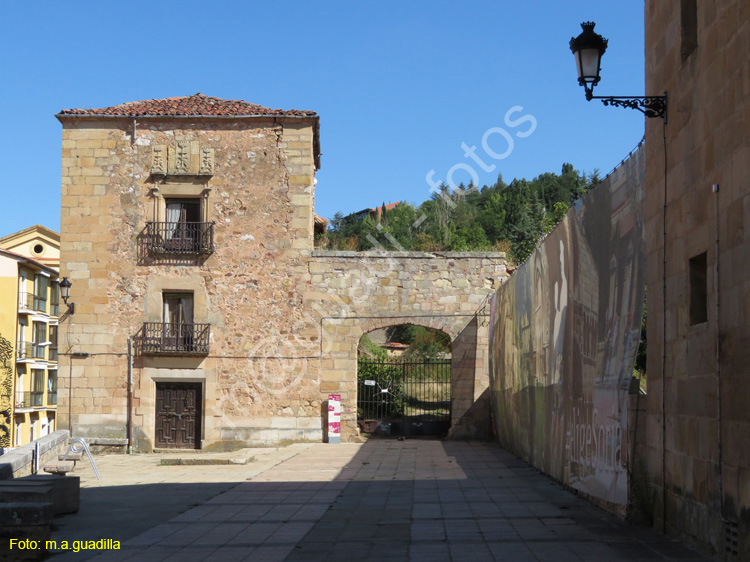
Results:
136 493
390 500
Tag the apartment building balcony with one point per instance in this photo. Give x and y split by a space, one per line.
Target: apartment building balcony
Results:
163 338
29 303
178 238
30 399
26 303
29 352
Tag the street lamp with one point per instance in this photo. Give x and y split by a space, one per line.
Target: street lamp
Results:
65 294
588 49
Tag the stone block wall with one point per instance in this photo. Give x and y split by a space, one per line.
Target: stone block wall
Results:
699 340
635 452
470 412
20 461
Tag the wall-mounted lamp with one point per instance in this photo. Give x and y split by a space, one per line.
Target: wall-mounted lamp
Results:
65 294
588 49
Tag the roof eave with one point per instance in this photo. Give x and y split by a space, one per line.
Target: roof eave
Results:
60 116
315 118
29 261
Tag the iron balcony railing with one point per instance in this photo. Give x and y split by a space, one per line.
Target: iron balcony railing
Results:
162 338
181 238
30 350
29 399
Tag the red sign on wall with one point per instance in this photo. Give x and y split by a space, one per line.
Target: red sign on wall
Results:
334 418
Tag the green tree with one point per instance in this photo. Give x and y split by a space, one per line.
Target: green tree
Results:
555 216
397 225
467 218
424 343
371 350
492 217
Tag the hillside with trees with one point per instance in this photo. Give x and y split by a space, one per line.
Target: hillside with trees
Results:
502 217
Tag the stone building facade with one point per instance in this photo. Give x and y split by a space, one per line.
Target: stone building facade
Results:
698 277
187 230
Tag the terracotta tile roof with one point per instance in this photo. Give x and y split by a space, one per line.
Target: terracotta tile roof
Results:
197 104
378 210
394 345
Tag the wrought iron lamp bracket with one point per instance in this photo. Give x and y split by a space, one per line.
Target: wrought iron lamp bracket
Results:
650 106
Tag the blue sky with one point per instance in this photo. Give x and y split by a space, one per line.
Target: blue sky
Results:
399 86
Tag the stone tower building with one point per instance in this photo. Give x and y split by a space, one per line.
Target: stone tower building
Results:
183 221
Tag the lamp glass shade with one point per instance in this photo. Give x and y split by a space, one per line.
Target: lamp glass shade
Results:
65 289
588 63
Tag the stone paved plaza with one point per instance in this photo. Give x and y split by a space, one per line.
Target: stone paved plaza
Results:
416 500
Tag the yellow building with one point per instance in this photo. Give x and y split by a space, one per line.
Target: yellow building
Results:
37 242
29 309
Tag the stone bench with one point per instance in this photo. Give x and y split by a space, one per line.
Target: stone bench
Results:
60 468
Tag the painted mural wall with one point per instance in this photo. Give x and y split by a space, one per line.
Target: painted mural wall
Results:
563 337
6 391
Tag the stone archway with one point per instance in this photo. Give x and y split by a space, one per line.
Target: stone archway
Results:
353 293
469 366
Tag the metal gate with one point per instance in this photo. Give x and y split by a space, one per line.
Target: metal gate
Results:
404 397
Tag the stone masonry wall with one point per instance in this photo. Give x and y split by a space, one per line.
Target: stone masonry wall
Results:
698 419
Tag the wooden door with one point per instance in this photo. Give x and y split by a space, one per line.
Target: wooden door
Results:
178 415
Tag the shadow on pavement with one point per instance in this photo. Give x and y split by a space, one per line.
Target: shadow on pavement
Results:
385 500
